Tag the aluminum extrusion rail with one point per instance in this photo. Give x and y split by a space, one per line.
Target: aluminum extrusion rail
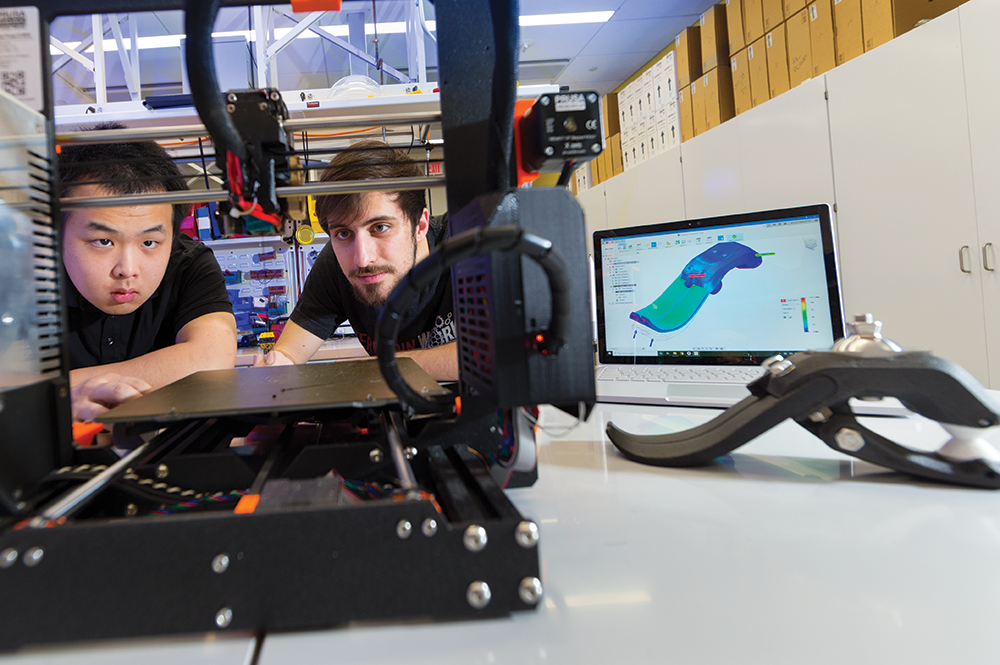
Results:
297 124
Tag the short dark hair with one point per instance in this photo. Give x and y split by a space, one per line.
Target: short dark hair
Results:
369 160
136 167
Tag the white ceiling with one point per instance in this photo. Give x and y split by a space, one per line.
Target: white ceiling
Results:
597 56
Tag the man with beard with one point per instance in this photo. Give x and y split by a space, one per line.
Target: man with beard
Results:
375 239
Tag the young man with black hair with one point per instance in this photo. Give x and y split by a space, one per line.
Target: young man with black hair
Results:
375 239
146 304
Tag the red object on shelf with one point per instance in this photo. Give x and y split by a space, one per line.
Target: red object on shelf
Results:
315 5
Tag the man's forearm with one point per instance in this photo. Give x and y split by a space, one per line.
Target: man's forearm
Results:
441 362
164 366
297 344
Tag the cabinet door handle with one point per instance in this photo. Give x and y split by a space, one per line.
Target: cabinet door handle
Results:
988 257
963 259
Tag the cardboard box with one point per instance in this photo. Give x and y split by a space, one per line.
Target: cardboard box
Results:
885 19
718 94
760 87
777 60
687 113
616 154
753 20
799 49
607 169
698 116
714 38
665 83
821 41
597 170
774 14
793 7
612 120
688 49
850 41
740 68
734 26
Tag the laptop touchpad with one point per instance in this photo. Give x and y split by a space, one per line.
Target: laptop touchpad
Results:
732 392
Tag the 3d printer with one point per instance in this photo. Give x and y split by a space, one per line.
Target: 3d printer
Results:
281 502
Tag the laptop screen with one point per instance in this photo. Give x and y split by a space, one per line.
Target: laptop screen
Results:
720 290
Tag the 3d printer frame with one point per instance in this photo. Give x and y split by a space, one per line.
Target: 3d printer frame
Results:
87 553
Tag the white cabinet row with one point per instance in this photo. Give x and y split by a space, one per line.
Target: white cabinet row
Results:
904 141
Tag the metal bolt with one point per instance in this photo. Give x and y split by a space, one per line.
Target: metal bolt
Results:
231 108
474 538
596 148
275 96
262 106
131 510
411 452
63 392
478 595
778 365
33 556
591 98
220 563
162 471
375 455
549 150
404 529
224 617
530 590
526 534
429 527
8 557
231 97
820 416
983 422
849 439
545 100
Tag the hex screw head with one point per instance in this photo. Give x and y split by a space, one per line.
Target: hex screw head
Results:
545 100
231 97
162 471
596 148
592 98
530 590
526 534
474 538
131 510
849 439
375 455
404 529
33 556
429 527
262 106
478 594
231 108
8 557
275 95
220 563
224 617
411 452
549 150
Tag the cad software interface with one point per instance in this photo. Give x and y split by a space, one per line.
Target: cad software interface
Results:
748 289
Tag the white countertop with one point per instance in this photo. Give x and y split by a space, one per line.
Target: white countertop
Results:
784 552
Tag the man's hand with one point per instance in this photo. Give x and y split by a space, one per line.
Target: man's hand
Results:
97 394
272 357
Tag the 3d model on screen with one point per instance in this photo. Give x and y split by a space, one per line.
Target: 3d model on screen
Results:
700 278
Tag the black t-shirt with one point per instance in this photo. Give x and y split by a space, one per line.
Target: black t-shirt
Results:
192 286
328 300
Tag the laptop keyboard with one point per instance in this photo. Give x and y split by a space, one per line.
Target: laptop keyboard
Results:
679 373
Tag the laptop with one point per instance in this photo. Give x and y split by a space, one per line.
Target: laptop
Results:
687 311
